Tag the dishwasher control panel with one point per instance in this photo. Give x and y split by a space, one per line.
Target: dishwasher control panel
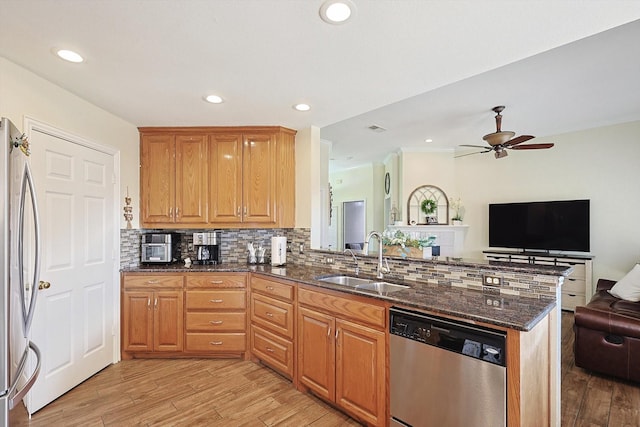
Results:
471 340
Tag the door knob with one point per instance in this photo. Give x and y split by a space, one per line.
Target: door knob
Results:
44 285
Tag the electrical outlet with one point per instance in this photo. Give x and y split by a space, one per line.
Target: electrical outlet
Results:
495 302
328 260
491 280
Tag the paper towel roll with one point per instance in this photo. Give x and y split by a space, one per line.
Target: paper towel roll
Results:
278 250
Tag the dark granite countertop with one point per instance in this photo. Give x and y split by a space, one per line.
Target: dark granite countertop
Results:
515 312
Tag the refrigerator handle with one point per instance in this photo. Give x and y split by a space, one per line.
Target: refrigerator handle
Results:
19 395
27 179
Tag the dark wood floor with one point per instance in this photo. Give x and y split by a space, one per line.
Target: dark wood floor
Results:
238 393
590 399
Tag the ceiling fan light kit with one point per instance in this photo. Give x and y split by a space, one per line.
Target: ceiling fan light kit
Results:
499 141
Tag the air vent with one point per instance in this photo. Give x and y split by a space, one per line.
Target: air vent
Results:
377 128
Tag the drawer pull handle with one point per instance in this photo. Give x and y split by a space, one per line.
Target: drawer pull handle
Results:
216 282
270 288
153 282
217 301
269 314
270 350
215 322
215 342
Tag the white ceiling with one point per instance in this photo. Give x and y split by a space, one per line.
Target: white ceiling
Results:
421 69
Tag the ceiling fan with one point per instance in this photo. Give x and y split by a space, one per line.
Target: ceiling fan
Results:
500 140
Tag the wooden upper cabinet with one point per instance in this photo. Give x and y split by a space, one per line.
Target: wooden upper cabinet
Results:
225 168
173 179
259 178
217 176
191 202
157 178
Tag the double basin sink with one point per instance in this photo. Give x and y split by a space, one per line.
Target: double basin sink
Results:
360 284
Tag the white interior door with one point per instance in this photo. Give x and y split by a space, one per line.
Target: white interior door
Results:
74 318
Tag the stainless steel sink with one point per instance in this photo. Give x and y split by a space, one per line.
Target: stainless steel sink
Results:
366 285
381 287
345 280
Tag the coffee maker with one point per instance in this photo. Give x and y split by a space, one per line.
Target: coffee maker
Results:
207 247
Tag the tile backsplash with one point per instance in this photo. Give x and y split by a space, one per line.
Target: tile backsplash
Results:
517 281
233 243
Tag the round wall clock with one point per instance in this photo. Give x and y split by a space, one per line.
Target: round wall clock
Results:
387 183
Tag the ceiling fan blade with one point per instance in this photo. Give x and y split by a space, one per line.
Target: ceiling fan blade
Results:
533 146
518 140
469 154
477 146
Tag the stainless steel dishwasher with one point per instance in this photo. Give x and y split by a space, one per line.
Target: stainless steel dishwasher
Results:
445 373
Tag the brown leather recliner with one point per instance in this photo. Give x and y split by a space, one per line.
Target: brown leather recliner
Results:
607 336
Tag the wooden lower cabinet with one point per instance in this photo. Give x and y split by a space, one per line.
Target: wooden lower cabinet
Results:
216 319
273 323
341 360
152 321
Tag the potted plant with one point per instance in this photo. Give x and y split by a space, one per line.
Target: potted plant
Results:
456 205
428 207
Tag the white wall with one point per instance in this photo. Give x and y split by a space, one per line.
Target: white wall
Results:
426 168
24 94
601 164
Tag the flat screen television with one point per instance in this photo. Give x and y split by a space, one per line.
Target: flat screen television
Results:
561 225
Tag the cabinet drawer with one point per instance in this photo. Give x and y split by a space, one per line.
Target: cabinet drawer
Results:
579 270
216 321
272 349
272 288
573 286
216 299
217 280
153 281
272 314
232 342
569 301
344 307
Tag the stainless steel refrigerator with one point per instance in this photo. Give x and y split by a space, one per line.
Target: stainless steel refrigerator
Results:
19 268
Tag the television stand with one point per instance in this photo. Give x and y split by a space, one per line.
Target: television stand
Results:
578 286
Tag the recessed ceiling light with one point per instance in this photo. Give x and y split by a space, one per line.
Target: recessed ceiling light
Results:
214 99
302 107
337 11
69 55
428 140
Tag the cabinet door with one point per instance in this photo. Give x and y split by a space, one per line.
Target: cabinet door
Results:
157 178
137 318
191 202
316 352
360 371
259 178
168 329
225 182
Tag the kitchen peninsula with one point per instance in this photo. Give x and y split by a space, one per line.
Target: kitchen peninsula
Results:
277 312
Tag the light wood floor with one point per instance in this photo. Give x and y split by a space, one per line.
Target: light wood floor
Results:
237 393
185 392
